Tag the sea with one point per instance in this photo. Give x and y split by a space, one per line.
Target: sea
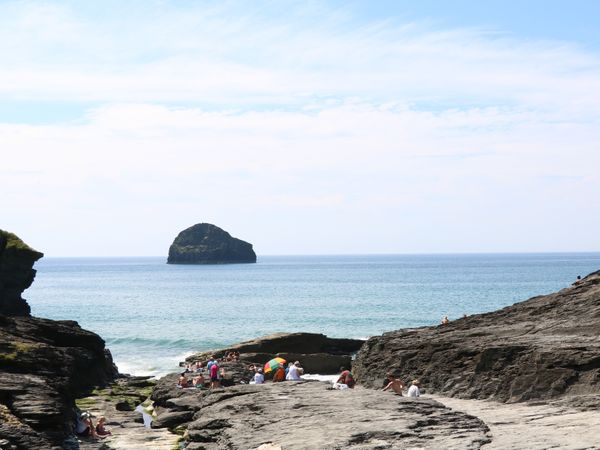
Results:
152 314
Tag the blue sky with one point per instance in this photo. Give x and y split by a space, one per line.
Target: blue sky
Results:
303 127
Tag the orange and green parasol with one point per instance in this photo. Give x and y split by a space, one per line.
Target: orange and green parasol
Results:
274 364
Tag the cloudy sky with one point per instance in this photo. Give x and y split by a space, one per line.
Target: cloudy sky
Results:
302 127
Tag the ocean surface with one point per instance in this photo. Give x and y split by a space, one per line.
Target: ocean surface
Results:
152 315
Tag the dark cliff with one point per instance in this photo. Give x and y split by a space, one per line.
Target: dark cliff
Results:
44 364
205 243
16 273
542 348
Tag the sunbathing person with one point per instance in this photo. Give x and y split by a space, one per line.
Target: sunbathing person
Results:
394 384
183 382
198 381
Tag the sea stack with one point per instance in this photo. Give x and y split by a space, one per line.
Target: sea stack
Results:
205 243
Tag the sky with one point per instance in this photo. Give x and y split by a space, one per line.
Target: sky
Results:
307 127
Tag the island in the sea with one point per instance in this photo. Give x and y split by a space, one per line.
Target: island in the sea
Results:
205 243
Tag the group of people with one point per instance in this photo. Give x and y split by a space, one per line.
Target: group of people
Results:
209 374
84 427
206 374
291 372
397 386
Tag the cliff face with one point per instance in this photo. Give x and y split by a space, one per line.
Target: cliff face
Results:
542 348
44 364
205 243
16 273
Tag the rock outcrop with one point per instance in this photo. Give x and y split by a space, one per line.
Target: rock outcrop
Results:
44 364
545 347
316 352
16 273
310 415
205 243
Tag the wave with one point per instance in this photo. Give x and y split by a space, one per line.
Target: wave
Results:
180 343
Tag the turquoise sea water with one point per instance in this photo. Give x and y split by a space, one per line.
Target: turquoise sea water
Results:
152 314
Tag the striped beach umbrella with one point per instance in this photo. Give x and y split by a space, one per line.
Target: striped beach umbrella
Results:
274 364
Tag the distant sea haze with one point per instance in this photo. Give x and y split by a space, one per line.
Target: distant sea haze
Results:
152 315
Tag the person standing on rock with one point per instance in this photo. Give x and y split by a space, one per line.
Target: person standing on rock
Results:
395 384
214 375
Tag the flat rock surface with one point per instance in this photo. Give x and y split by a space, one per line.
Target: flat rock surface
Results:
128 433
532 426
543 348
310 415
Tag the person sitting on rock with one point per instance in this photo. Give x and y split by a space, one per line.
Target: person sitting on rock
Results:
226 378
445 321
345 379
85 427
279 375
395 384
198 381
100 427
259 378
292 373
413 390
183 382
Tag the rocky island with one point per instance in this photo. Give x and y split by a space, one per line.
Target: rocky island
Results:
205 243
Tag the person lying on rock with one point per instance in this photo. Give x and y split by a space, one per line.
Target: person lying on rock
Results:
395 384
101 429
345 379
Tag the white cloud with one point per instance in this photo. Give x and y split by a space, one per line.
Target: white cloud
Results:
295 125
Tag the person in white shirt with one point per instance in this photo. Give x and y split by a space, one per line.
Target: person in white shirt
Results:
413 390
259 378
293 374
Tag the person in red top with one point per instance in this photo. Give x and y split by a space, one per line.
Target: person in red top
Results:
214 375
346 378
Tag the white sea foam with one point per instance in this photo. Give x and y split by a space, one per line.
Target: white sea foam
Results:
316 376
